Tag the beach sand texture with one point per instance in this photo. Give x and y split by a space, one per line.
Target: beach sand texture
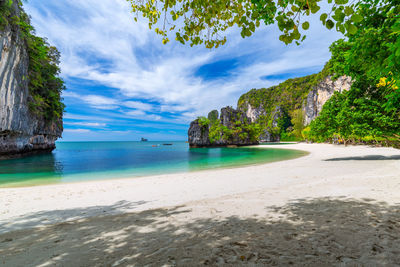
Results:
337 206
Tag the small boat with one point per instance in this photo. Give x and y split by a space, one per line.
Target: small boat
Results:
167 144
144 140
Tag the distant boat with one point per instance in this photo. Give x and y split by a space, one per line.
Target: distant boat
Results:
167 144
144 140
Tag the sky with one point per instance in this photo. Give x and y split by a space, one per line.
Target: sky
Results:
123 83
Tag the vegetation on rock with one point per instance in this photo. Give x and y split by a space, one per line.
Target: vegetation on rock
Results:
45 85
287 98
231 128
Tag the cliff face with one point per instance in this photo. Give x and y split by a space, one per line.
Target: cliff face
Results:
272 110
231 128
321 93
20 130
255 113
198 134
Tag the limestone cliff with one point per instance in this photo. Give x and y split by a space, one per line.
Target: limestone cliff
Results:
232 127
198 134
272 109
20 130
321 93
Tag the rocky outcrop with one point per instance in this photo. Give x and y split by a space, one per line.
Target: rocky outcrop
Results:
321 93
20 130
198 134
230 118
254 113
267 106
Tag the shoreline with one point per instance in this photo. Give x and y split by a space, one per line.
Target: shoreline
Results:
339 185
42 181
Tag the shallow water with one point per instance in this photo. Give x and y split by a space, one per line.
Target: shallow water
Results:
82 161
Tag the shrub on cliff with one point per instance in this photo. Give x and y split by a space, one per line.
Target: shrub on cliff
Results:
45 85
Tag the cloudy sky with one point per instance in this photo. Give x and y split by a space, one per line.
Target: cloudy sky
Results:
123 84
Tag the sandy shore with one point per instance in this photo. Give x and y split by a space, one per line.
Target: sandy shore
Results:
336 206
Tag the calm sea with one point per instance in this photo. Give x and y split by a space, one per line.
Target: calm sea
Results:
82 161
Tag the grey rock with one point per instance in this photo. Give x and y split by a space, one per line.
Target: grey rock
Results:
321 93
198 134
20 130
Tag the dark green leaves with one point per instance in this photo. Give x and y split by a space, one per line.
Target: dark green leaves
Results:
323 18
329 24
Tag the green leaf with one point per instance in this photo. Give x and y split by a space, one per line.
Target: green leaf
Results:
339 15
315 9
305 25
341 28
323 17
352 29
348 11
356 18
330 24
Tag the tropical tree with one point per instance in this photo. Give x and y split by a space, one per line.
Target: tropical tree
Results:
205 21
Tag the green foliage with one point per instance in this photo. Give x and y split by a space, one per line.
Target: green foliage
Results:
373 52
45 86
239 131
203 121
297 122
289 137
5 13
370 111
213 116
354 116
306 133
205 21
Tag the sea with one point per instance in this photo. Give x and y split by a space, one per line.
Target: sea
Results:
85 161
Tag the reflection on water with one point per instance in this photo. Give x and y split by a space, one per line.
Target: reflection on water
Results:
34 167
78 161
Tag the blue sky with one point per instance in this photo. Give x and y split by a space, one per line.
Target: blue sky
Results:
123 84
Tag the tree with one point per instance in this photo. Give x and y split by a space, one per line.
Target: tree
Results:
372 55
205 21
297 122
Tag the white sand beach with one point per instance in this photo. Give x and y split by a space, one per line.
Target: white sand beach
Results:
336 206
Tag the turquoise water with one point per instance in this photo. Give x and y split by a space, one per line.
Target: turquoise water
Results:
83 161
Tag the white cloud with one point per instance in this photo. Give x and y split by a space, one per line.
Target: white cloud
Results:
76 131
72 116
100 102
135 113
138 105
133 60
87 124
141 115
